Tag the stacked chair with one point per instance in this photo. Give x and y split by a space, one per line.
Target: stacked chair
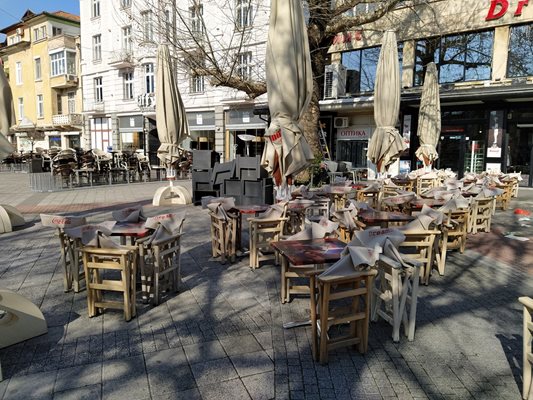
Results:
264 229
225 226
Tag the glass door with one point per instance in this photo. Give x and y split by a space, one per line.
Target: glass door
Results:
451 149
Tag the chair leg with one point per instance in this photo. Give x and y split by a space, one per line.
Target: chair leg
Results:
324 313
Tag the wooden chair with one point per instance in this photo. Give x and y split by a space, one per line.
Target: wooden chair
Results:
318 210
394 295
454 234
527 353
101 267
504 200
262 232
73 275
424 184
160 267
481 214
224 235
353 292
371 198
420 245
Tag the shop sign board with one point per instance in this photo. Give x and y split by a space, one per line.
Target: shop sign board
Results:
354 133
498 8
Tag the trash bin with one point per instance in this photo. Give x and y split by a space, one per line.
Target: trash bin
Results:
36 165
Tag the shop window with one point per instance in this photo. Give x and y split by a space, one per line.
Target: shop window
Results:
54 141
459 58
361 68
520 60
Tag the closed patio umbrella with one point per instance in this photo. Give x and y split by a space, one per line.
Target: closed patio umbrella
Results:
7 114
172 125
386 143
289 86
429 117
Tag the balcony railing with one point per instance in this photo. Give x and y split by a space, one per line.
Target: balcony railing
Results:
122 59
67 120
93 107
146 101
64 81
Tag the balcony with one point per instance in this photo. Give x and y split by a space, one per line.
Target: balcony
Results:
63 81
67 120
62 42
121 59
93 107
146 102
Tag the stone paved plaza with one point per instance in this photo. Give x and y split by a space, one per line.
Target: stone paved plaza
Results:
221 337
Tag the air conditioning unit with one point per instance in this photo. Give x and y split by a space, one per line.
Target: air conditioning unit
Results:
72 78
19 31
334 81
340 122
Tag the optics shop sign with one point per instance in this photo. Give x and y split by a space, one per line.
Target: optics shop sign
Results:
354 133
498 8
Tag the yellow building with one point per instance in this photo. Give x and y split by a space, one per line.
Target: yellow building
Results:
41 57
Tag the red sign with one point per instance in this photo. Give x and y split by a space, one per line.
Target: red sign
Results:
498 8
346 37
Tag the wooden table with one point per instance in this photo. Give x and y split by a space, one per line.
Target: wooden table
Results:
301 256
133 230
383 218
249 210
417 204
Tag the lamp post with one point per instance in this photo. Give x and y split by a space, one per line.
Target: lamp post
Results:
32 142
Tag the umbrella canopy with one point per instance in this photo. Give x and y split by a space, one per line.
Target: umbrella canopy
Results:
386 143
172 125
7 115
429 117
289 86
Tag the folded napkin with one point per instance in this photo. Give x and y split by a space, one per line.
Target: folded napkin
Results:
62 221
355 258
93 236
275 211
226 202
130 214
219 210
421 222
455 204
376 236
166 227
435 214
487 192
315 230
399 199
345 216
300 203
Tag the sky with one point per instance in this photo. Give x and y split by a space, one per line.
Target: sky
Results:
11 11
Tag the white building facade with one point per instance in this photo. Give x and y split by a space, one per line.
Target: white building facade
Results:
119 40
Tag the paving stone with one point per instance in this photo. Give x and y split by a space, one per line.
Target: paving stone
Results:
260 386
240 345
213 371
168 372
92 392
77 377
252 363
228 390
41 386
125 378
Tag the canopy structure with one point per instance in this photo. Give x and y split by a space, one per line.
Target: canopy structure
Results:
386 143
429 119
289 86
172 125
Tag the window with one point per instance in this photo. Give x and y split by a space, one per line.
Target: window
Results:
197 83
56 31
126 38
40 106
43 31
125 3
97 47
149 78
98 89
59 102
14 39
459 58
520 60
38 73
195 13
18 73
243 13
95 8
148 26
21 107
38 33
128 85
63 62
244 65
361 69
71 102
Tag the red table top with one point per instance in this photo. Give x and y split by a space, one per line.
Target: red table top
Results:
315 251
419 203
252 209
373 217
132 229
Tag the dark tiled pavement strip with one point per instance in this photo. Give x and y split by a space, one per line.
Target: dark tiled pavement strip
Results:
222 336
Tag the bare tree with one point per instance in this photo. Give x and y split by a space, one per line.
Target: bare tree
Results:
212 45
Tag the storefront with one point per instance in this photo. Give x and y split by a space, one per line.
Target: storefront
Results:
202 128
244 133
131 129
484 59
